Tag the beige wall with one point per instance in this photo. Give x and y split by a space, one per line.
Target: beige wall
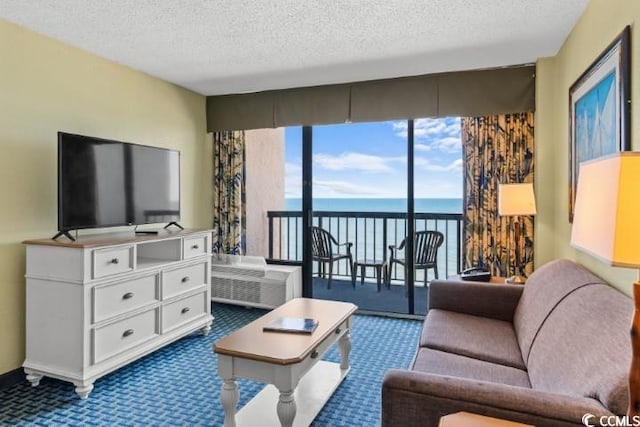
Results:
601 22
265 184
46 87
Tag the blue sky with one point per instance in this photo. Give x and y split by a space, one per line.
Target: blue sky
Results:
370 160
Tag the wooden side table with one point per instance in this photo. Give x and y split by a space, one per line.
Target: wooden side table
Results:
467 419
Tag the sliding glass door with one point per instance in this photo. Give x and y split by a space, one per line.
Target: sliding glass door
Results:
366 188
359 208
437 184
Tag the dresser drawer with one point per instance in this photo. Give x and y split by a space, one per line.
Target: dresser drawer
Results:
194 246
182 311
175 282
116 298
107 262
124 334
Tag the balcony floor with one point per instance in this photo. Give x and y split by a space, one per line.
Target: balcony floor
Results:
367 297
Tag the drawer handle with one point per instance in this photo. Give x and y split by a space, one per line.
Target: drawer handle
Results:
314 354
194 247
127 333
128 295
185 279
185 310
115 261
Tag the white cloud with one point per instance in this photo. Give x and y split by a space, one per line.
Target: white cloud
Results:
353 161
447 126
428 127
400 127
332 188
293 190
292 169
292 180
449 144
424 164
439 134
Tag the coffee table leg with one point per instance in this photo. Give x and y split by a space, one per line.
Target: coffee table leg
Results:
344 345
229 397
286 408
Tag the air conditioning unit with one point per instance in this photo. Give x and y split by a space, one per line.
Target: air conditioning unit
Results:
250 281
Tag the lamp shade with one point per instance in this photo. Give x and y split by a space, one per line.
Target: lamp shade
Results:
516 199
606 219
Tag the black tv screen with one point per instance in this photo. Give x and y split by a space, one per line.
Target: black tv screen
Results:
104 183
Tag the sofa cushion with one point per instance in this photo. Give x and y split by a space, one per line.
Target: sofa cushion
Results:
584 348
481 338
545 288
454 365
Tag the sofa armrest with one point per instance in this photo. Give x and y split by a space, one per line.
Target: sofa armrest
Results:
475 298
411 398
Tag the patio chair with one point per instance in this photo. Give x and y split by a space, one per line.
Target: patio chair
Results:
322 247
425 247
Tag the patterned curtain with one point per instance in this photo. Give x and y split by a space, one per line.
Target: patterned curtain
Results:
229 214
496 150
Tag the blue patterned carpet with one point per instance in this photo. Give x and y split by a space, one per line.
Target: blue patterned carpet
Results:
178 385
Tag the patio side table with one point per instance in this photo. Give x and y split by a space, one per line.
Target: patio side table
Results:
380 266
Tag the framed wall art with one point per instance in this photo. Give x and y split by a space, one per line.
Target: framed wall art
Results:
599 109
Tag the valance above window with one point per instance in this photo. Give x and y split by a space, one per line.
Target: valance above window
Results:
462 93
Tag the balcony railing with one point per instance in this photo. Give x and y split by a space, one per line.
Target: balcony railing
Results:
371 234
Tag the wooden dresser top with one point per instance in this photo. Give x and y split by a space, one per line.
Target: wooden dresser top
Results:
109 239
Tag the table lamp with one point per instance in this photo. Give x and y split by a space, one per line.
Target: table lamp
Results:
606 225
516 200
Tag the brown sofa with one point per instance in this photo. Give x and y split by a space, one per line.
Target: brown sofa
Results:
545 353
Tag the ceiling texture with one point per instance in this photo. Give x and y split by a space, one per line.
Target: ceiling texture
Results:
235 46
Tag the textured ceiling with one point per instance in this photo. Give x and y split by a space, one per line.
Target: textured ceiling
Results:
233 46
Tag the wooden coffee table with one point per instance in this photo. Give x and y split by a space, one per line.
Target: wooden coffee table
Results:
289 361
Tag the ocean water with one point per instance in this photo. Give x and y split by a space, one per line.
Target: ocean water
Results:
372 236
378 205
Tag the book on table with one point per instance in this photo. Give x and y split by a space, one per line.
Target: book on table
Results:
296 325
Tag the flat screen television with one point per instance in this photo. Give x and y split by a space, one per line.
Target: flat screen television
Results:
105 183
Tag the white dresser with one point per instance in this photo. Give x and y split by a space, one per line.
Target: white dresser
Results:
103 301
